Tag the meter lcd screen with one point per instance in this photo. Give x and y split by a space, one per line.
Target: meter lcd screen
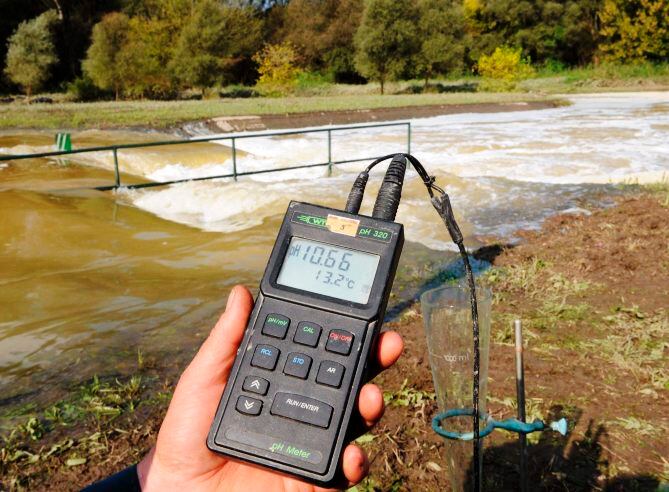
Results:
328 270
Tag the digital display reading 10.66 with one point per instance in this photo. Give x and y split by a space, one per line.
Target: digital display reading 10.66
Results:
329 270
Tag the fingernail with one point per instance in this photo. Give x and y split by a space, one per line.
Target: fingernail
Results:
231 296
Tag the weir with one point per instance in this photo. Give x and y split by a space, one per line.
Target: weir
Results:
114 149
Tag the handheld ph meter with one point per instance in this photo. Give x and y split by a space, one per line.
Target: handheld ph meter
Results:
292 390
293 386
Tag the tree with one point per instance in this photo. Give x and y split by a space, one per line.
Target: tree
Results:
441 28
635 30
103 62
145 57
214 38
322 33
387 39
277 69
544 29
31 52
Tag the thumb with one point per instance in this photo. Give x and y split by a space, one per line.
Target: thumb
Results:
213 361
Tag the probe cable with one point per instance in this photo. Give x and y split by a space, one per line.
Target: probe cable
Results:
385 208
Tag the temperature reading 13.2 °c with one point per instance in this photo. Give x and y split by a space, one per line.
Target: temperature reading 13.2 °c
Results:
330 270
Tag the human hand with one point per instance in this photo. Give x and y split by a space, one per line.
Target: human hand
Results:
181 461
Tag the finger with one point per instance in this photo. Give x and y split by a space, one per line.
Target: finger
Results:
215 357
355 464
370 404
388 349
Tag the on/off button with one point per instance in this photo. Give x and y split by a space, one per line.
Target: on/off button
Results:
339 342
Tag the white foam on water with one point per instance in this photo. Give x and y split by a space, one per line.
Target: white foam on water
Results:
504 171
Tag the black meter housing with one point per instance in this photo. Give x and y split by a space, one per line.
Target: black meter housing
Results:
293 386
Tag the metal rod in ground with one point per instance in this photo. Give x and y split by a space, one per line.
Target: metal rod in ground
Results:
520 395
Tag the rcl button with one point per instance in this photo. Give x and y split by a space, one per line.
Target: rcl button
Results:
249 406
339 342
265 356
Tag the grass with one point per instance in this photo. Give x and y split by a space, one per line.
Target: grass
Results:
605 77
166 114
635 343
97 402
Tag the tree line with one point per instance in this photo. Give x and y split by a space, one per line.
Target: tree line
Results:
156 48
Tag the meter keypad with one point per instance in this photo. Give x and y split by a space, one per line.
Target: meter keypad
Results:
304 367
265 357
330 373
307 333
276 325
297 365
339 342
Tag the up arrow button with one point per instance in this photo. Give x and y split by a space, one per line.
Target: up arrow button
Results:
255 384
249 406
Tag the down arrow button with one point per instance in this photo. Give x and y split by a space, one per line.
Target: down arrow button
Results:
249 406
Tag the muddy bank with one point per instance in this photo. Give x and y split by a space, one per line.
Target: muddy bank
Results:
226 124
591 290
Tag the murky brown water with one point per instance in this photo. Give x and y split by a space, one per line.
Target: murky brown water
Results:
87 278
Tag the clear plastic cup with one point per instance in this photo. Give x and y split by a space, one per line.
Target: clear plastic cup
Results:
448 328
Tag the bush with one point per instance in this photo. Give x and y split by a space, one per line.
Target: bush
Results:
277 69
502 70
83 89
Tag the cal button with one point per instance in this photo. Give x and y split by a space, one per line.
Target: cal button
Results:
275 326
339 342
307 333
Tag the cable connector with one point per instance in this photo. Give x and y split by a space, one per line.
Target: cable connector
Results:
357 192
442 203
390 192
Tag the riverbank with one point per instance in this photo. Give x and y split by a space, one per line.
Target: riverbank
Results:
592 292
225 124
175 114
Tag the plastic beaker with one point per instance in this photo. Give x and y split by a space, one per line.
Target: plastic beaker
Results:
448 328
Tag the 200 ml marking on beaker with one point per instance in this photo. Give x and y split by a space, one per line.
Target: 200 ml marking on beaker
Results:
453 358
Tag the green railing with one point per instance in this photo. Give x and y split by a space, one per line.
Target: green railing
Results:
114 149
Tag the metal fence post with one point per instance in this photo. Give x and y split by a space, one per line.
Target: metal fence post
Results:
116 173
234 159
408 137
329 152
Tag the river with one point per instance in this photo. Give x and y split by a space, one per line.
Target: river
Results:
88 278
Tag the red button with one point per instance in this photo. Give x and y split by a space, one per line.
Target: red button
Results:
339 342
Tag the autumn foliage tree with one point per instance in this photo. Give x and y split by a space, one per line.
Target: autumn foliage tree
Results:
635 30
213 39
277 66
103 59
31 52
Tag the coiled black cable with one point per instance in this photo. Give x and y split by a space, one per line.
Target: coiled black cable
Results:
385 207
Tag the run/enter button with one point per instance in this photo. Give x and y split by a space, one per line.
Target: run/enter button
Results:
301 408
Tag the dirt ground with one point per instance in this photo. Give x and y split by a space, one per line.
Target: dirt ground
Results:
347 117
592 292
